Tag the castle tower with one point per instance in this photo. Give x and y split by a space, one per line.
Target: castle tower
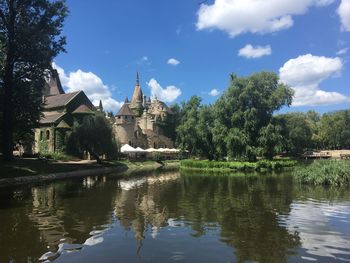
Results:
137 98
125 123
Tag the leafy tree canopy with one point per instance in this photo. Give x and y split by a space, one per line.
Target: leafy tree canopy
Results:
30 37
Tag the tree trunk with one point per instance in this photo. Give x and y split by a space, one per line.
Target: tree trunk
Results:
7 127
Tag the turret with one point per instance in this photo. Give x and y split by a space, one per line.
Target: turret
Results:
137 98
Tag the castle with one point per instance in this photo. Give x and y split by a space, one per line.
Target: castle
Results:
137 123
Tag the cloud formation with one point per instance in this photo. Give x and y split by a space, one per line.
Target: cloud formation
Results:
91 84
344 14
342 51
173 61
305 73
255 16
214 92
254 52
167 94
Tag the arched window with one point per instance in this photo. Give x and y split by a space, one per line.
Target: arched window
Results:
130 143
41 135
154 145
47 135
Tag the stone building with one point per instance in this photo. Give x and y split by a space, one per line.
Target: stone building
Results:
139 122
60 111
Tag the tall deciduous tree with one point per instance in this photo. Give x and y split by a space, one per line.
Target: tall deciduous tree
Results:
245 108
30 37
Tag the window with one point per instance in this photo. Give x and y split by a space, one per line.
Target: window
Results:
130 143
41 135
126 117
47 135
118 117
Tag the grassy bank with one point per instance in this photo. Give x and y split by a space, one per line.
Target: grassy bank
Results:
324 172
237 166
31 166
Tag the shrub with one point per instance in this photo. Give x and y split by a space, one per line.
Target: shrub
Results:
237 166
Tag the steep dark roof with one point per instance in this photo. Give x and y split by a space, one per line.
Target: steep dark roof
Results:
83 109
60 100
51 117
53 85
125 111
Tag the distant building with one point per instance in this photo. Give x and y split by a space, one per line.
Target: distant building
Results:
139 122
60 111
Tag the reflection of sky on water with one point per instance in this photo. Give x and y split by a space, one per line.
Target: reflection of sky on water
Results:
323 228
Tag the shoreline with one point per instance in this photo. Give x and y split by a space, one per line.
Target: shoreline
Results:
127 168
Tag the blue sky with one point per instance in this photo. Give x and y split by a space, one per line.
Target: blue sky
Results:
182 48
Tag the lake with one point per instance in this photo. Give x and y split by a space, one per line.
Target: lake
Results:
175 217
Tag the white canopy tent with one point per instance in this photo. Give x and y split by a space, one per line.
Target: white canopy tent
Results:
126 148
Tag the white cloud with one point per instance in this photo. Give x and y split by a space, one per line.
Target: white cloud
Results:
256 16
168 94
305 73
344 13
91 84
173 61
254 52
214 92
342 51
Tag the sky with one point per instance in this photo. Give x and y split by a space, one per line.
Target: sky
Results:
183 48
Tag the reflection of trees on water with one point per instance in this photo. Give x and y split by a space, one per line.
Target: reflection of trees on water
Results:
247 210
244 209
51 214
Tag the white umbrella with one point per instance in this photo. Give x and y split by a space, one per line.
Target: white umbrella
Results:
138 149
126 148
150 150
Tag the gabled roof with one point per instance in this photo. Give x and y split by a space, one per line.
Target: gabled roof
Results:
125 111
83 109
63 124
51 117
60 100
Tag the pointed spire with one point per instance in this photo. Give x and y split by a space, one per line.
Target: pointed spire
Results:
137 79
100 106
137 97
126 100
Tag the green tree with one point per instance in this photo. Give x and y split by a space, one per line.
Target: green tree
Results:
30 37
297 132
271 140
93 135
204 132
334 130
243 110
187 137
171 122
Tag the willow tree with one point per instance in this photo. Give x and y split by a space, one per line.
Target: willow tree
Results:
244 113
30 37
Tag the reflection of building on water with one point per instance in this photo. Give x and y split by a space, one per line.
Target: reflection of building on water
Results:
49 213
137 205
46 215
128 184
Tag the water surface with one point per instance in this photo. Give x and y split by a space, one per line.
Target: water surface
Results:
173 217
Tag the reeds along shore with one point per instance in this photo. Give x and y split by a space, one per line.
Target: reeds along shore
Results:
324 172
